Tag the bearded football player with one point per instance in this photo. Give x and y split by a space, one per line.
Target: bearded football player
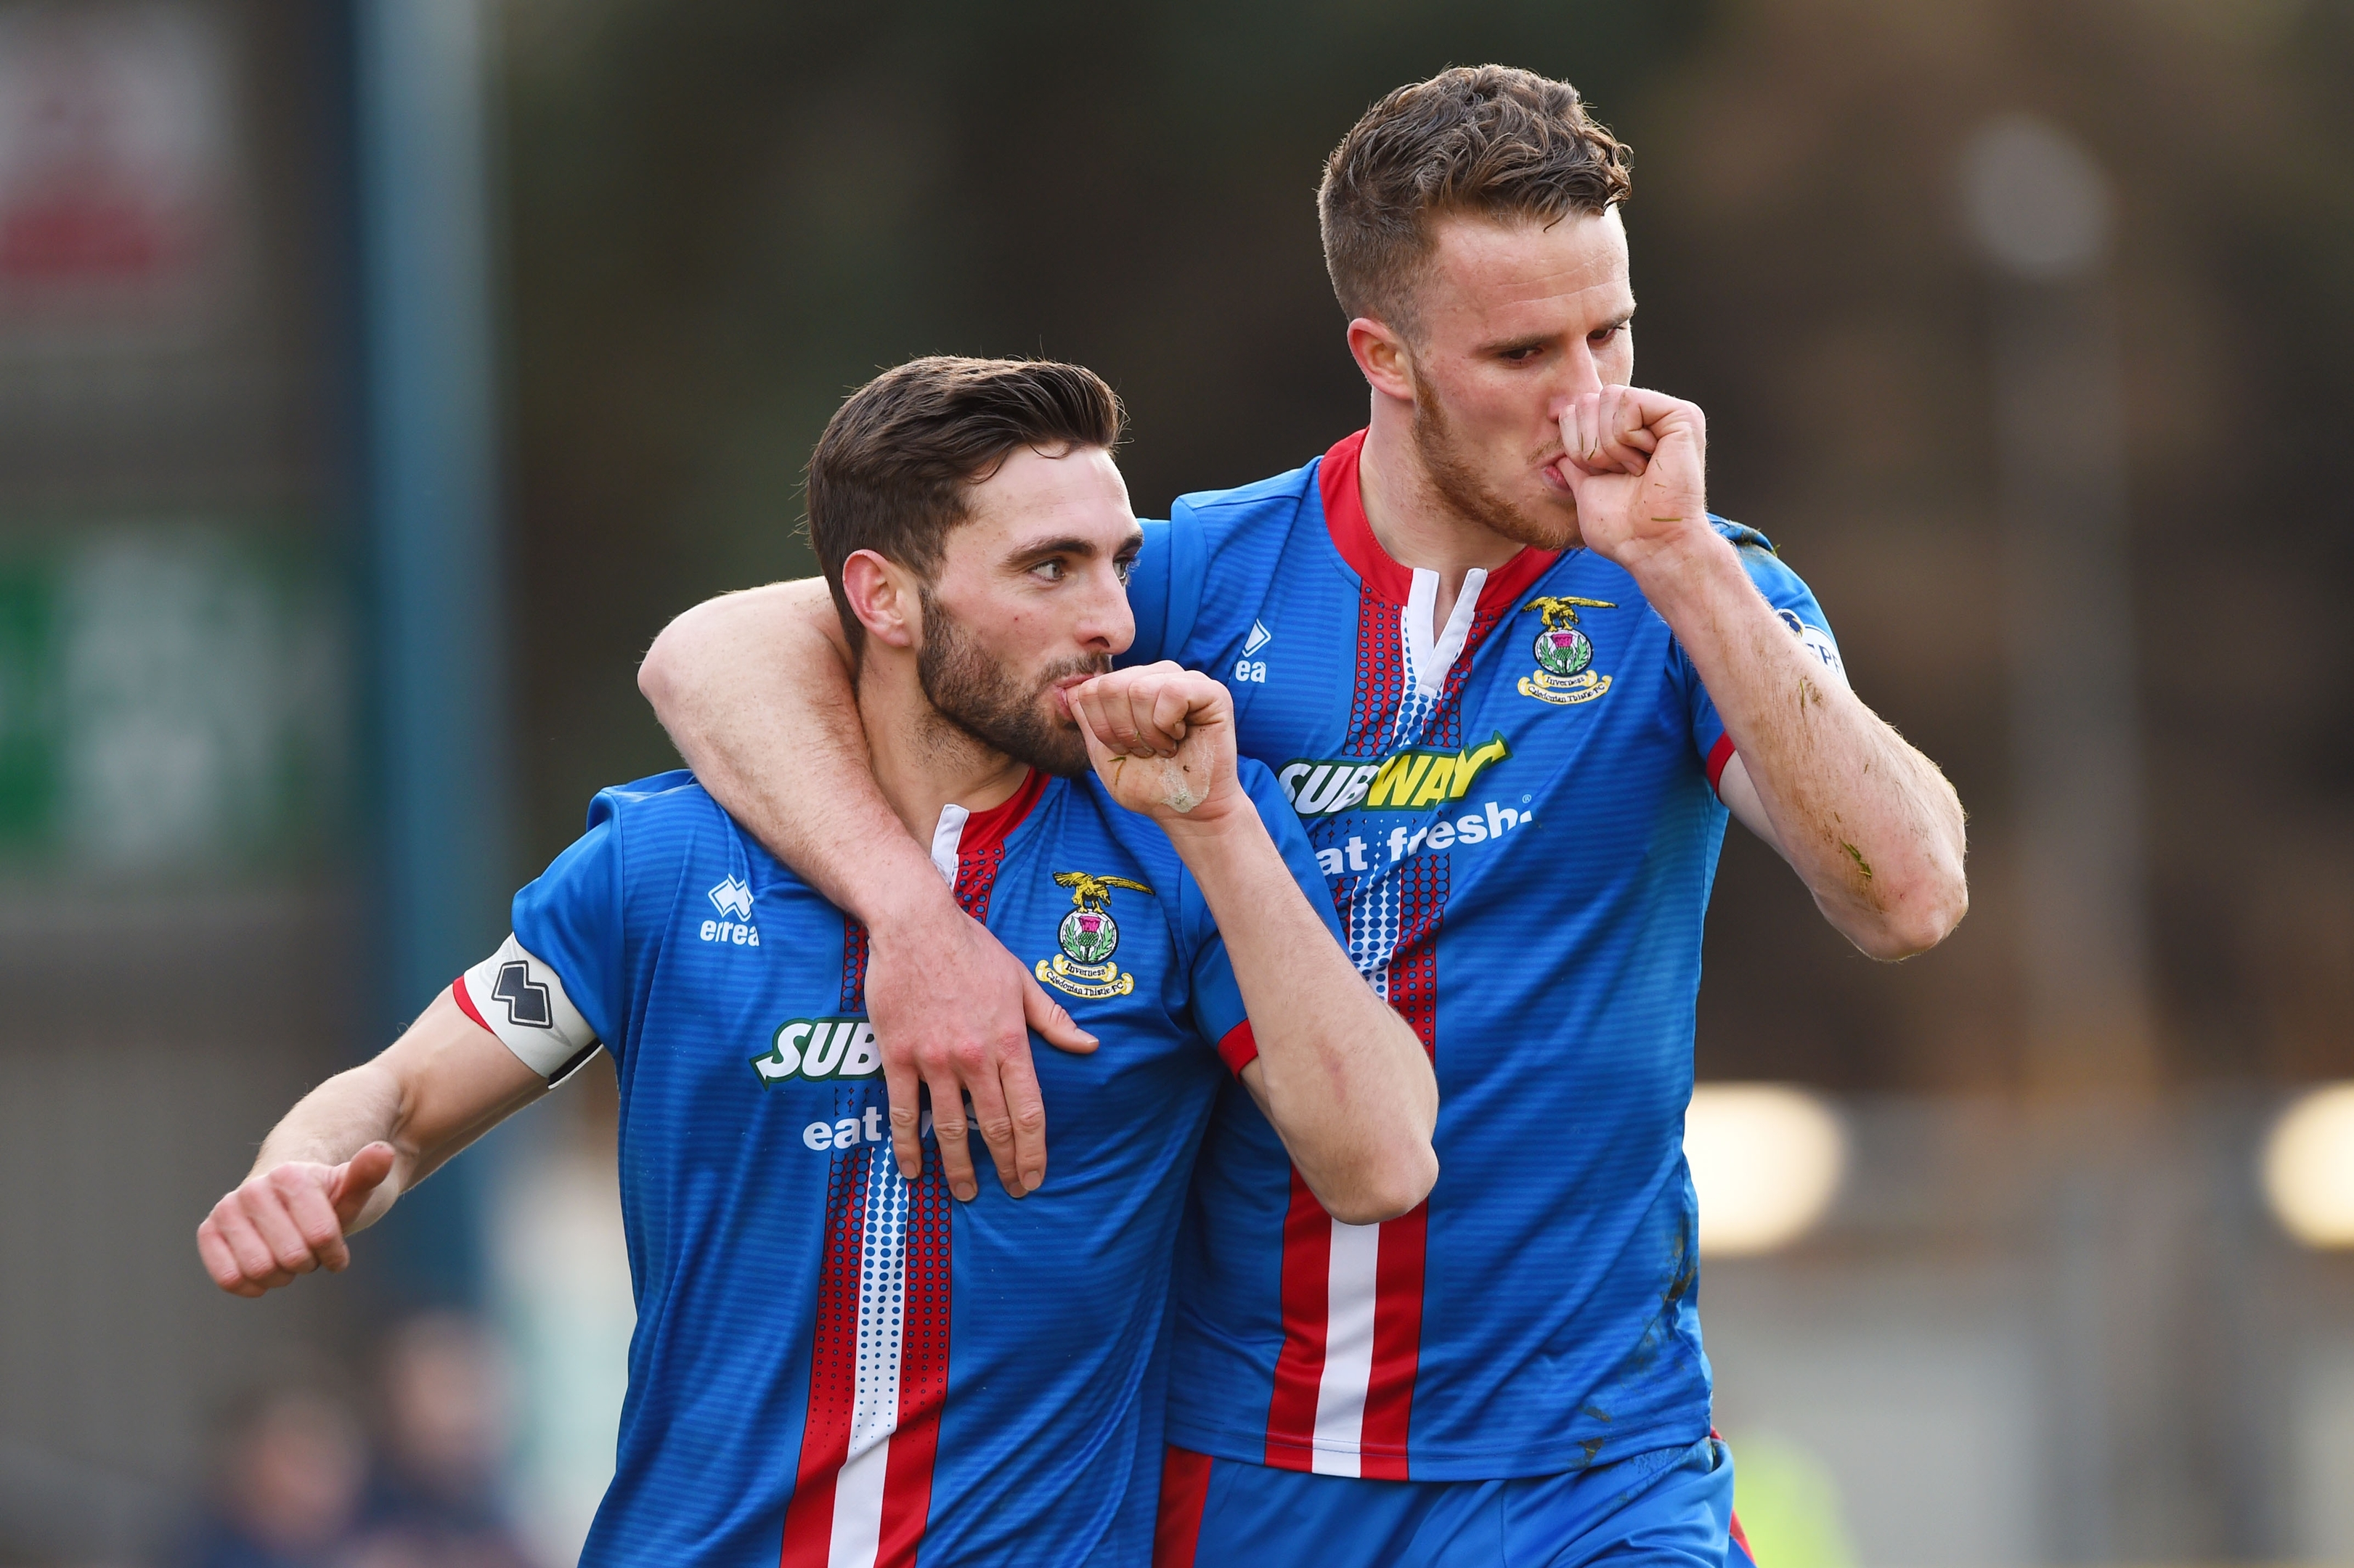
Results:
836 1363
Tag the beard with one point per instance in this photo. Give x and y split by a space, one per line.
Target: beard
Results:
991 704
1461 486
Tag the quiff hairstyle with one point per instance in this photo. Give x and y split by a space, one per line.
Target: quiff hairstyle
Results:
1491 141
894 469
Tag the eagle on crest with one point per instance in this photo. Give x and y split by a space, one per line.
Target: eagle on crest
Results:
1091 892
1560 613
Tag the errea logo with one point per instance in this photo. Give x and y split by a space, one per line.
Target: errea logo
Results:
527 999
1250 669
817 1049
734 898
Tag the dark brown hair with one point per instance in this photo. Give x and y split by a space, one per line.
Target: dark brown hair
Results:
893 471
1490 139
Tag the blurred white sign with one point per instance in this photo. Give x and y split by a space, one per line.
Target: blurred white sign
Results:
115 159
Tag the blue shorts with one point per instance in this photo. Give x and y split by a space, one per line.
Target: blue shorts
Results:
1670 1509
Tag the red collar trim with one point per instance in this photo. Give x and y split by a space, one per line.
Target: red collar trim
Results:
1352 532
1353 535
984 831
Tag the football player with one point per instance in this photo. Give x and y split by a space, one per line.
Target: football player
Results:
834 1362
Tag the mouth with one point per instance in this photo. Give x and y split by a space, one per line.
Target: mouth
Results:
1554 472
1062 686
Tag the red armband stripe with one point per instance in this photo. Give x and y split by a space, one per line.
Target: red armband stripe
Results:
1718 756
1239 1049
466 1003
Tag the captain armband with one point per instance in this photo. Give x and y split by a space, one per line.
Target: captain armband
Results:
521 1000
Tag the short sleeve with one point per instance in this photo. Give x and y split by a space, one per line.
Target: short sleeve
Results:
1148 597
561 976
1218 1012
1795 603
1164 587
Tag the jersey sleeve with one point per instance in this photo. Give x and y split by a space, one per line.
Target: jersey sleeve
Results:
1218 1013
1148 597
1164 587
1795 603
557 988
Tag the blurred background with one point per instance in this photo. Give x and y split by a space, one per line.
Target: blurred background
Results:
377 377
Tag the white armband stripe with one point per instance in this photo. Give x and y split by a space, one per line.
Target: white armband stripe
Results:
518 997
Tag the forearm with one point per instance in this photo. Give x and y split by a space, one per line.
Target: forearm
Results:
1343 1079
755 690
335 1120
444 1083
1868 822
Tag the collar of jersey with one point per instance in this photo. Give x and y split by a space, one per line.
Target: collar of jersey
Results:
982 832
1353 535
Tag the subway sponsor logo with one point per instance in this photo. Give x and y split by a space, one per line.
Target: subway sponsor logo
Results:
819 1048
1419 779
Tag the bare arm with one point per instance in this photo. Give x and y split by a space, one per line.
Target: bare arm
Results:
1868 822
353 1144
1342 1078
754 689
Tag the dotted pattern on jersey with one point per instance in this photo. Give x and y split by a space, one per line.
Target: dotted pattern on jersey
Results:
976 877
878 1366
1391 915
1321 1404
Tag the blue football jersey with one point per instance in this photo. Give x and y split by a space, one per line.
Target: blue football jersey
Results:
833 1365
1516 815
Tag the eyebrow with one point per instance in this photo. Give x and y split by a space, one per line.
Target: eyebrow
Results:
1538 340
1067 544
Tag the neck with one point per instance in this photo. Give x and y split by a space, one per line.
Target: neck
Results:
922 762
1420 528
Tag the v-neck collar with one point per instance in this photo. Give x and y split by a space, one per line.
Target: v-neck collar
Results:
1429 656
961 834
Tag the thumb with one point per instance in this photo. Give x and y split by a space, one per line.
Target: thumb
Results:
1054 1025
356 1179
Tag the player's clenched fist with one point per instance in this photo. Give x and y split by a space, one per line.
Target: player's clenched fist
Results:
1163 740
1637 462
288 1220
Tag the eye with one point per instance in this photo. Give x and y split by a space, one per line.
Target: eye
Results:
1053 570
1122 566
1523 356
1607 334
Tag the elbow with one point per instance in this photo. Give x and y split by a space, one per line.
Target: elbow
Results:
1917 921
1385 1189
658 672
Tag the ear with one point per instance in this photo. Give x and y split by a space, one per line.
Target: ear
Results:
1380 353
883 596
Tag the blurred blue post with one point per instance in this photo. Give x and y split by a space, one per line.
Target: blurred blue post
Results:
432 500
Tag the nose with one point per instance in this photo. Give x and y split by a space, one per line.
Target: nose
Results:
1106 623
1580 373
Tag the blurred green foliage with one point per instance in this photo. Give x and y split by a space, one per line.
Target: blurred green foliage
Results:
1788 1505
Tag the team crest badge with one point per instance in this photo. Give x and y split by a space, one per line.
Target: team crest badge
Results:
1088 936
1563 653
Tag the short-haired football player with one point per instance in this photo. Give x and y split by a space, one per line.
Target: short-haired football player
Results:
834 1362
1512 675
